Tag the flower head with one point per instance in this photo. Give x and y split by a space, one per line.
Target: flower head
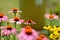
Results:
42 37
8 30
51 16
47 27
17 20
15 10
28 22
28 30
57 31
3 17
53 36
27 33
54 28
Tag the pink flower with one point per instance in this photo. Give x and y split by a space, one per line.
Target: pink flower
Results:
45 38
3 17
42 37
51 16
28 22
17 20
23 35
7 30
15 10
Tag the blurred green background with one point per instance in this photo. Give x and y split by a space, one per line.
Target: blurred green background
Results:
33 9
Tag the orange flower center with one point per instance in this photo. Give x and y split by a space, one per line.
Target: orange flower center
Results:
51 16
28 30
14 10
1 15
30 21
39 38
9 27
42 36
16 19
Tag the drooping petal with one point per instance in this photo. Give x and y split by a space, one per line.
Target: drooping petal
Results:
47 16
29 23
35 33
13 30
23 36
10 11
5 18
2 27
20 35
11 20
21 20
0 19
33 23
56 17
26 23
7 32
19 11
2 32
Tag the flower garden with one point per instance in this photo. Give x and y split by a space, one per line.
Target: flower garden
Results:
14 27
13 30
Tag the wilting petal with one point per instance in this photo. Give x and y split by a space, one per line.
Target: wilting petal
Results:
5 18
13 30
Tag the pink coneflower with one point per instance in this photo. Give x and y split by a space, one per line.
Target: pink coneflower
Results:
3 17
15 10
17 20
51 16
42 37
8 30
27 33
28 22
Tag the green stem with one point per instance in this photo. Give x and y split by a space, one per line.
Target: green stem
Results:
7 23
6 37
0 33
18 28
15 24
0 28
14 14
1 23
51 23
14 37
